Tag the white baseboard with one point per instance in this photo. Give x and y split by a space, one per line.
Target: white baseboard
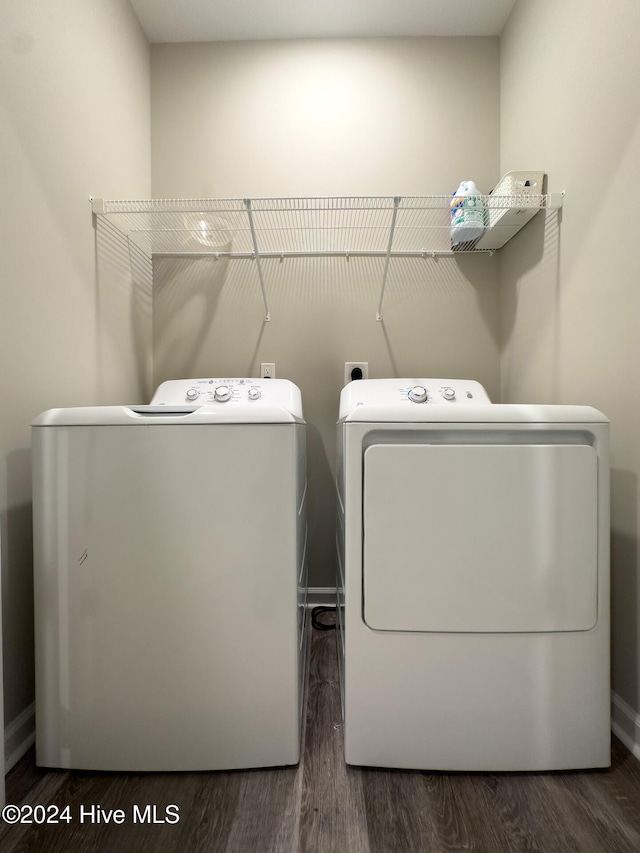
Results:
625 724
321 596
19 736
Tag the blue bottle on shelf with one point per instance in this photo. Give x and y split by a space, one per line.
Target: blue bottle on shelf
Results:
467 214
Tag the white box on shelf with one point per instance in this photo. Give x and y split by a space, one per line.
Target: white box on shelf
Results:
511 204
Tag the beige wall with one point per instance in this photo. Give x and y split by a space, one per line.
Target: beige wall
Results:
362 116
74 121
570 104
324 117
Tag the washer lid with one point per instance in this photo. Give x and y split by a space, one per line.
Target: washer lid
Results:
195 401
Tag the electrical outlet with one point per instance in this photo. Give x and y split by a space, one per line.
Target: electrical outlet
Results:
267 370
350 366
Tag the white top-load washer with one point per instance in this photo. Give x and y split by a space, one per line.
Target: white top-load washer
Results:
473 550
170 579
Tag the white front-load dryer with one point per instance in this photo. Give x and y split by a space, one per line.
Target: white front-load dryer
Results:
170 579
473 550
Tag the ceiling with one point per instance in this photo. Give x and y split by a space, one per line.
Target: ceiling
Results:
234 20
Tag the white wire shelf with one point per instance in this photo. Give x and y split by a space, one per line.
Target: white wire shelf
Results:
362 226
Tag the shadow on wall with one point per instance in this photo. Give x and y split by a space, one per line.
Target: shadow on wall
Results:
123 317
17 586
530 305
624 588
186 296
208 317
320 512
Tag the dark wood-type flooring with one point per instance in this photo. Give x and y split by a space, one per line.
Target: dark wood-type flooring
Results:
323 806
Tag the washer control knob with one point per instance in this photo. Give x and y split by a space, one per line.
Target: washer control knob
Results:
418 394
193 394
449 394
222 393
254 393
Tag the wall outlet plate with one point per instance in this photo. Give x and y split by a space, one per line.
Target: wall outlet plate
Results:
268 370
350 366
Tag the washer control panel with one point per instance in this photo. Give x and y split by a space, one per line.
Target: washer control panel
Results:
402 393
229 392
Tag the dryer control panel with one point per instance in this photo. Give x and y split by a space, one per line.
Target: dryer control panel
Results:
390 393
230 392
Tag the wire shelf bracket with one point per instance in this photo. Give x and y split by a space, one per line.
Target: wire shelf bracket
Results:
396 203
267 315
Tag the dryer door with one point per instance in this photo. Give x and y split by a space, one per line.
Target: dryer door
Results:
480 538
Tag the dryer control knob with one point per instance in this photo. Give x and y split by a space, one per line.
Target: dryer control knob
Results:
418 394
193 394
254 393
449 394
222 393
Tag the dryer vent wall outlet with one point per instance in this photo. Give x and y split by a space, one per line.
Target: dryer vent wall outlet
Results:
355 370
